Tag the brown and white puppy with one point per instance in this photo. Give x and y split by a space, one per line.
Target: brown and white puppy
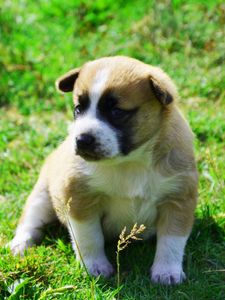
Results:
128 159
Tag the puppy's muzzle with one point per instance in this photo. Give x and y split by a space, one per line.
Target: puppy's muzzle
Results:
85 146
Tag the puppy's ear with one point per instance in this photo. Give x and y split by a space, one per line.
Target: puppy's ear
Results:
162 86
162 94
66 82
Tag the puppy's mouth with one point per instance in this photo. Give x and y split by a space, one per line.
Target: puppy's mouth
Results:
90 156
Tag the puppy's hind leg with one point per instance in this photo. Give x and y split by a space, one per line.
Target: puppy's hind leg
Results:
38 211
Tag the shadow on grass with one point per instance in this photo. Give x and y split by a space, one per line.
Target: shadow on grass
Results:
53 232
204 258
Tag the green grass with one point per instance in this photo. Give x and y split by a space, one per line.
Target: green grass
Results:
40 40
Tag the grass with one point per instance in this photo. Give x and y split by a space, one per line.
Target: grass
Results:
40 40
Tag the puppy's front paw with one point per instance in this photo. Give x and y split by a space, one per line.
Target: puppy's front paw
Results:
99 266
167 274
20 243
18 247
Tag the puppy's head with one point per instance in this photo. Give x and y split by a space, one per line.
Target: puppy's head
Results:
119 105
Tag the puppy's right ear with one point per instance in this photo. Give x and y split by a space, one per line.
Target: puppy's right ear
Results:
66 82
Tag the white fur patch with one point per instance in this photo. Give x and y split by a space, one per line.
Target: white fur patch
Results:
167 266
97 88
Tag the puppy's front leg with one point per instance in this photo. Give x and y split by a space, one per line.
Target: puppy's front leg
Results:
88 242
38 211
173 228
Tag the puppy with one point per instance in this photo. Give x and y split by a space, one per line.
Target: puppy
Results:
128 158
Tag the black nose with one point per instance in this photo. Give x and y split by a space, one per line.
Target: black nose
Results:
85 142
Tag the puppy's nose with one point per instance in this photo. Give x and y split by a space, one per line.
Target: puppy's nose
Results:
85 141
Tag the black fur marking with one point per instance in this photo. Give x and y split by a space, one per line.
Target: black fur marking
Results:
119 119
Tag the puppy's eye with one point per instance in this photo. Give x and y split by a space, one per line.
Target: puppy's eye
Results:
82 106
118 113
77 110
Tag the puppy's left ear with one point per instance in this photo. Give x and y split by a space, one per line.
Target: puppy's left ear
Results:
66 82
162 86
161 93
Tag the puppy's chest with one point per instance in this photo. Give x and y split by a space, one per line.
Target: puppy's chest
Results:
132 195
123 183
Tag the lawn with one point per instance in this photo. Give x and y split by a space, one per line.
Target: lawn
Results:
39 41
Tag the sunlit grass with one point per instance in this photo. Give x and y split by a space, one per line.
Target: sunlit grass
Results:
40 40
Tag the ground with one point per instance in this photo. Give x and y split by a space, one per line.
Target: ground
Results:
39 41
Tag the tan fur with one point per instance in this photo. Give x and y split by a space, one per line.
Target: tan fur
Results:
168 152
